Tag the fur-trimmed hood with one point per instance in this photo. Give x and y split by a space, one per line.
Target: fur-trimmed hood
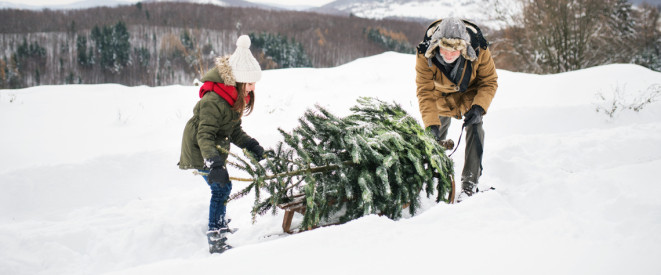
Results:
221 72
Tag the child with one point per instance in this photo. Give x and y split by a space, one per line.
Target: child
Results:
227 93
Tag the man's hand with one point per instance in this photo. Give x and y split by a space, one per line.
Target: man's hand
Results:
474 115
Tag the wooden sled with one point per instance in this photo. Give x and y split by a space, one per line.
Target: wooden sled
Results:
298 205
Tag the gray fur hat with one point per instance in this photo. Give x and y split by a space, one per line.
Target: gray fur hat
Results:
451 34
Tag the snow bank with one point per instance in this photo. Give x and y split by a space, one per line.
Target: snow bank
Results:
90 184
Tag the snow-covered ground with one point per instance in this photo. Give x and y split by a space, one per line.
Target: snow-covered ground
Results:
495 14
89 182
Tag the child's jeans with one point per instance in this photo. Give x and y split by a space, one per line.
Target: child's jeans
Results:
220 192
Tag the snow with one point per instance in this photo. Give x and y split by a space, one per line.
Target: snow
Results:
495 14
90 184
293 4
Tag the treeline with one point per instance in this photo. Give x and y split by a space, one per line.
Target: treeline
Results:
553 36
173 43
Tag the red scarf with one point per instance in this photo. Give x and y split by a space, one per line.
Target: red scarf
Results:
228 93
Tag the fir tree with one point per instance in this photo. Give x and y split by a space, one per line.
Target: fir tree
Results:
387 42
376 161
112 46
121 45
143 56
284 52
81 48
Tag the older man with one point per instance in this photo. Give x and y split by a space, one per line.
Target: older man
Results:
456 77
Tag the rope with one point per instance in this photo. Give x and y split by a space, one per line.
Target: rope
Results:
459 141
198 173
480 147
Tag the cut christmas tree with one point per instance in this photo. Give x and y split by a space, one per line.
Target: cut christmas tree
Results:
378 160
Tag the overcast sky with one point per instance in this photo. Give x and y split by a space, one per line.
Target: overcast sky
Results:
315 3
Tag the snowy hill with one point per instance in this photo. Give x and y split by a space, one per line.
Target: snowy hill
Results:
486 12
89 183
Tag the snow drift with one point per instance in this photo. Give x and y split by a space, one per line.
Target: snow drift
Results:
89 182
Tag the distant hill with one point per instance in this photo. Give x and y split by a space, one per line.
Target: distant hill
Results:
490 13
84 4
173 43
486 12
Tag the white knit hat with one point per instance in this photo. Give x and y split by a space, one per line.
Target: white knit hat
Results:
244 66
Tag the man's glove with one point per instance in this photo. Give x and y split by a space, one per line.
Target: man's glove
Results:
474 115
255 149
217 172
435 130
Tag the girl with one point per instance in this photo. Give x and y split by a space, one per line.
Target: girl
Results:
227 93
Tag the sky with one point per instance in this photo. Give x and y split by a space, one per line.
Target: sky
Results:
89 182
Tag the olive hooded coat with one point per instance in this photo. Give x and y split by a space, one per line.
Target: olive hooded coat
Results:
214 122
438 95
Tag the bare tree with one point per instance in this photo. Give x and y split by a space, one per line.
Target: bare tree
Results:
562 35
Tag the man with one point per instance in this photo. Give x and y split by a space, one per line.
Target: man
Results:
456 77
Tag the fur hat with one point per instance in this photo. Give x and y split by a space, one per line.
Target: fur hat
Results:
244 66
450 34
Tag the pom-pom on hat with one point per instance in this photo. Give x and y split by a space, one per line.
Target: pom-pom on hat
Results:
245 67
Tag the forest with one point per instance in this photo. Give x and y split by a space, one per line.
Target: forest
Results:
553 36
158 44
173 43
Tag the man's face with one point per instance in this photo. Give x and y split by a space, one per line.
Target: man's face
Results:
449 56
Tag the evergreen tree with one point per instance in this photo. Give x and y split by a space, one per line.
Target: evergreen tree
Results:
102 38
112 46
37 76
187 41
286 53
81 48
649 40
28 58
143 56
121 45
30 51
387 42
4 71
23 49
619 33
13 75
376 161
